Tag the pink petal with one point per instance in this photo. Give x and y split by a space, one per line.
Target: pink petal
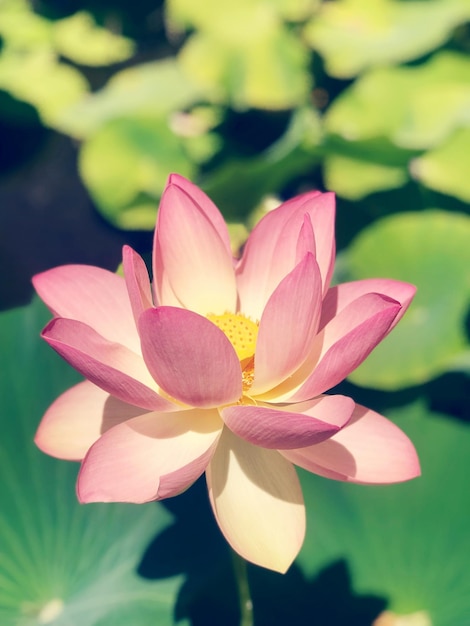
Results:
78 418
206 205
191 258
93 296
257 501
293 426
288 325
150 457
345 342
114 368
189 357
370 449
271 250
338 297
137 282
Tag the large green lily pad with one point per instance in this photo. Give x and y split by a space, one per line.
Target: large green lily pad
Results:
62 563
429 249
405 543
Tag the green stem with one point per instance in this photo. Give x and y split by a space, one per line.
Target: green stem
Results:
244 597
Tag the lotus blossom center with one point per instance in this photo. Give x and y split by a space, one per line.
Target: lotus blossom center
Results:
242 334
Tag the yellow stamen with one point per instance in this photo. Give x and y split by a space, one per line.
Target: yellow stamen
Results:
242 334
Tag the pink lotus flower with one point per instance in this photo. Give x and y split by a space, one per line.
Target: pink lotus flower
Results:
222 368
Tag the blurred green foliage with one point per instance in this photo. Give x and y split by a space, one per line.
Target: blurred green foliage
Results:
256 100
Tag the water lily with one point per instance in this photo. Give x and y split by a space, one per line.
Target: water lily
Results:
222 366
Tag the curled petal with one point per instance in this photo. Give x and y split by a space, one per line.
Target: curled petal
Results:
340 296
288 325
190 257
293 426
78 417
189 357
93 296
344 343
257 501
369 449
137 282
114 368
150 457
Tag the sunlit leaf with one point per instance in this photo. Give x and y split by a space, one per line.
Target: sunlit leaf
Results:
61 562
78 38
429 249
446 167
353 35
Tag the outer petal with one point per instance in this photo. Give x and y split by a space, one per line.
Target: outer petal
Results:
191 258
294 426
370 449
78 418
189 357
108 365
271 250
150 457
288 326
340 296
93 296
137 282
257 501
341 347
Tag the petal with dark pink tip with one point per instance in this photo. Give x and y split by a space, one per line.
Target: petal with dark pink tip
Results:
257 501
293 426
78 418
191 257
189 357
338 297
137 282
288 326
114 368
93 296
369 449
345 342
150 457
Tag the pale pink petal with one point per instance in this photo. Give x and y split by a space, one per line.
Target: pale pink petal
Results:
78 418
150 457
189 357
271 250
137 282
288 325
338 297
93 296
292 426
344 343
206 205
190 255
257 501
114 368
369 449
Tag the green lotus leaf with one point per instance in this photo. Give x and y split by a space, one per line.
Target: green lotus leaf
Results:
354 178
125 166
429 249
63 563
414 107
446 167
78 38
353 35
155 88
244 53
405 544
